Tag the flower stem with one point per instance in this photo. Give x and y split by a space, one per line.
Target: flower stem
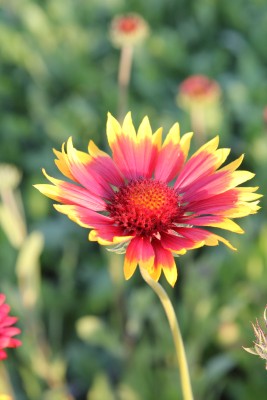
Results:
177 338
124 79
198 123
5 383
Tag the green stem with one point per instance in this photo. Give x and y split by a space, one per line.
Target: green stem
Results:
124 75
198 123
5 383
177 337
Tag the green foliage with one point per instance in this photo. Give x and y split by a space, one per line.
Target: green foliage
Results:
86 331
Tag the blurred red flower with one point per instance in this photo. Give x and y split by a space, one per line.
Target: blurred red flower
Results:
7 331
199 88
128 30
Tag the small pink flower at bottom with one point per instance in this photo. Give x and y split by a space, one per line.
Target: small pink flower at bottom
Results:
7 331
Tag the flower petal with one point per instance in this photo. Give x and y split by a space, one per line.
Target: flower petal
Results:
147 149
139 251
207 186
63 163
239 177
170 272
173 152
217 204
110 235
68 193
164 261
177 243
83 216
135 155
131 260
209 147
7 330
247 193
3 355
216 221
242 210
122 141
104 166
200 165
86 176
203 237
234 164
8 321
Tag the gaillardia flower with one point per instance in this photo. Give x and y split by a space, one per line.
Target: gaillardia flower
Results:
7 331
147 200
200 89
128 30
200 97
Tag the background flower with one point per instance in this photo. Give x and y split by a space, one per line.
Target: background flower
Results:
128 30
7 331
198 89
200 96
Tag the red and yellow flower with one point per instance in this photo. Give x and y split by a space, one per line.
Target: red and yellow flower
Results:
147 200
7 331
128 30
200 96
198 89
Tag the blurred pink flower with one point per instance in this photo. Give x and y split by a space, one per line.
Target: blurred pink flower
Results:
200 97
199 88
7 331
128 30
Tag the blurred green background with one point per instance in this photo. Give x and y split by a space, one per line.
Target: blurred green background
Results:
87 333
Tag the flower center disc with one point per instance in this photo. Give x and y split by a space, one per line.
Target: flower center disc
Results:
128 24
144 207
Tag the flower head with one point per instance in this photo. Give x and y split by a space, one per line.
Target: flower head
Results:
10 176
146 200
128 30
198 89
7 331
200 97
260 344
